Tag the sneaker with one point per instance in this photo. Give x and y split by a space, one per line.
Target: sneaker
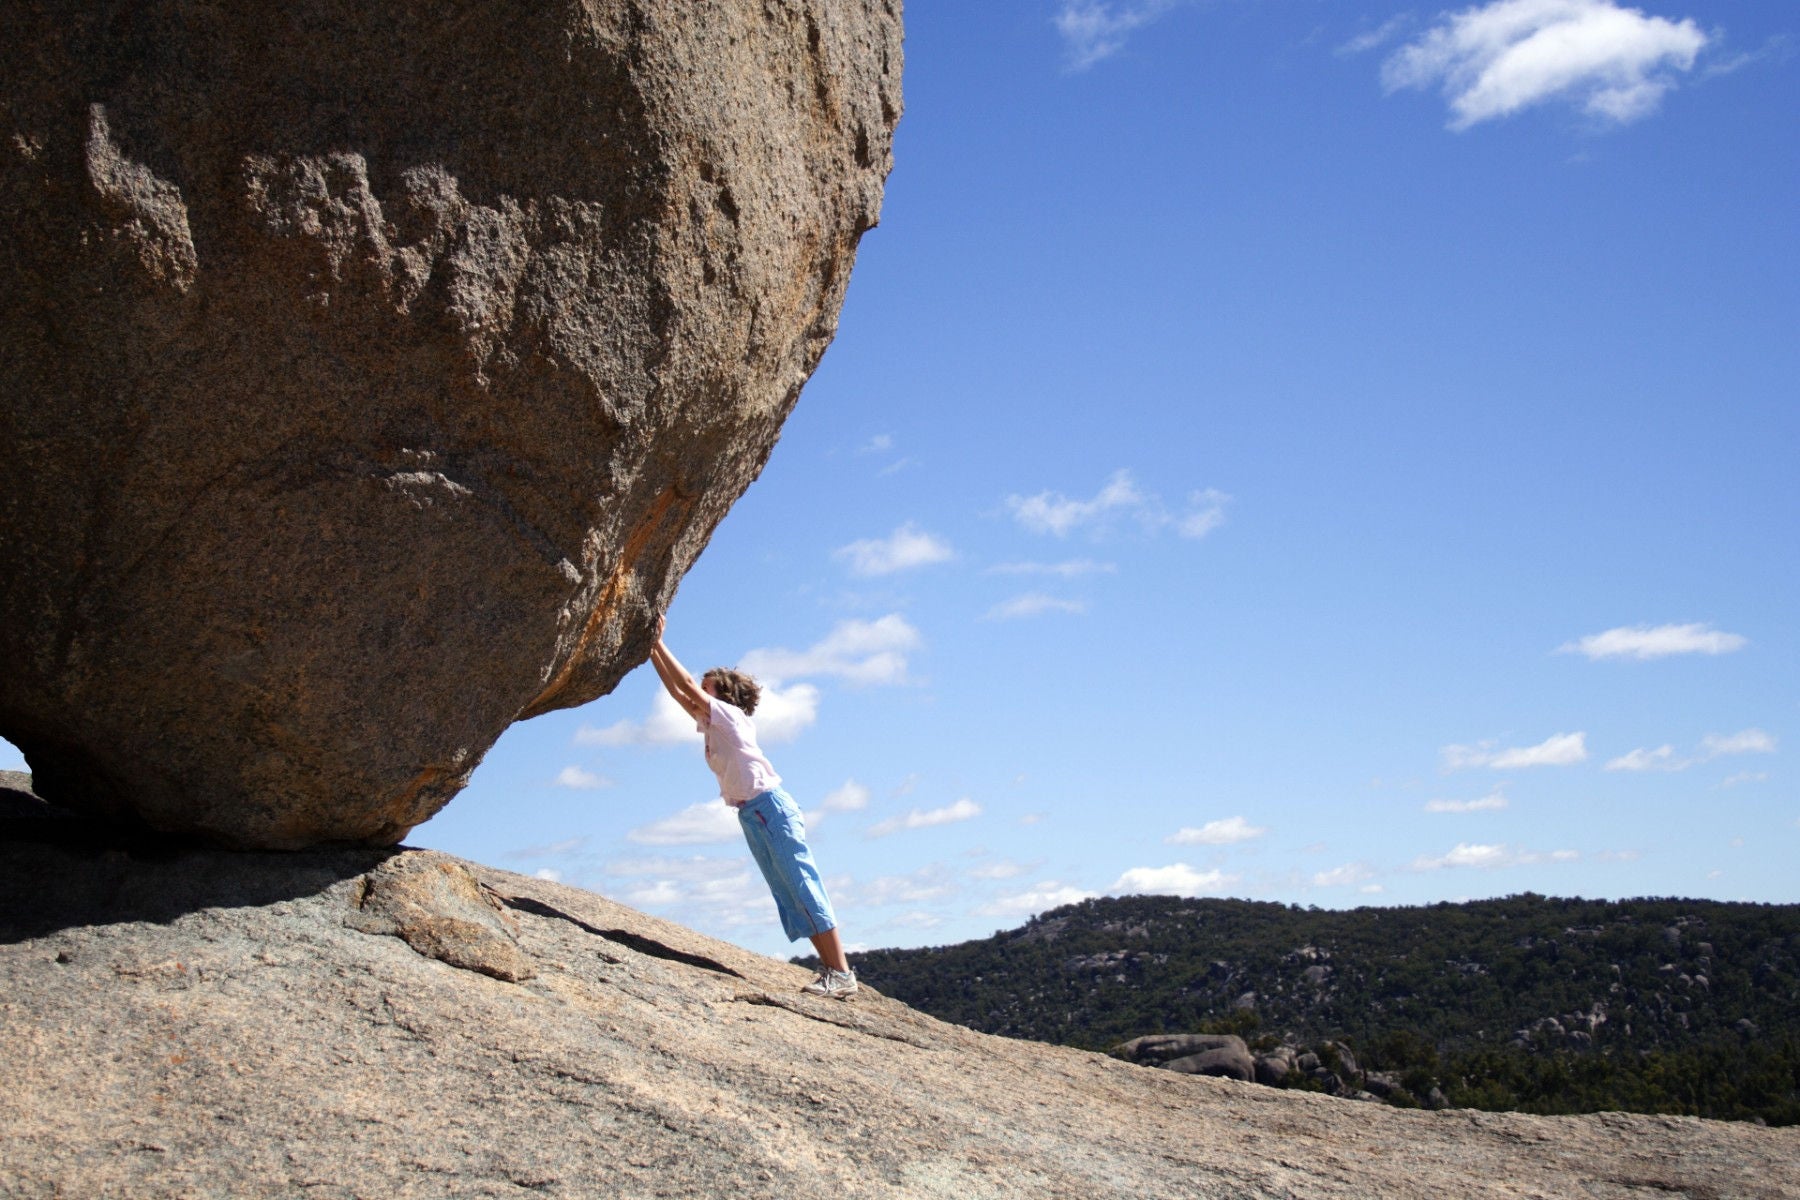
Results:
838 985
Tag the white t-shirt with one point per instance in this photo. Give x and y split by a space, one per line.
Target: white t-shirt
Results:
734 756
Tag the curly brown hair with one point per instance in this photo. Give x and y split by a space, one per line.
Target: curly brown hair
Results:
734 688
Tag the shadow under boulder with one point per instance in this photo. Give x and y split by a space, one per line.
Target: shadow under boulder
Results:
61 869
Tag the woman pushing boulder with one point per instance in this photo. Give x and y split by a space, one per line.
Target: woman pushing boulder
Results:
721 704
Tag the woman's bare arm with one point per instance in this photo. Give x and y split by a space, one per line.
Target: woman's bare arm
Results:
681 685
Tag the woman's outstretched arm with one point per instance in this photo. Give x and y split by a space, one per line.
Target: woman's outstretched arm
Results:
681 685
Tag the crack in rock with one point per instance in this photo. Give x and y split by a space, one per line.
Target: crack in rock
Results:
801 1008
623 937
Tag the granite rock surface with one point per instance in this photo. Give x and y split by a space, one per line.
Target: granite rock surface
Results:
217 1023
373 372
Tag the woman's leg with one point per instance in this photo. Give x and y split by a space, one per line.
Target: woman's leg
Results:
777 838
831 950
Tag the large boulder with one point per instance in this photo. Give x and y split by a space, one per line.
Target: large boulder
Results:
372 372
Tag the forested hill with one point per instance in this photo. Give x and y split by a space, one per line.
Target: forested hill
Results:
1505 989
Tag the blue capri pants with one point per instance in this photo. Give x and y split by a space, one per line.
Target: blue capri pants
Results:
777 836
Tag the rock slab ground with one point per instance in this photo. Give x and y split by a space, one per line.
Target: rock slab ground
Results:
215 1024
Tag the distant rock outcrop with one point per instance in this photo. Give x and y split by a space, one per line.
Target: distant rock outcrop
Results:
1228 1056
211 1023
1224 1054
373 372
1161 1049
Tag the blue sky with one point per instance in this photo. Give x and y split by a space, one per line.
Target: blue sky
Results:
1335 453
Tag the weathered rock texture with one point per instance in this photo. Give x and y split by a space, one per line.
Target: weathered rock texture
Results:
371 372
224 1024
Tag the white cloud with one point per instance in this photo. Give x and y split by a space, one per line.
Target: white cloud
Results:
695 869
546 850
920 818
782 713
850 796
1054 513
1494 800
547 874
708 823
1034 900
1655 641
1362 43
883 444
1002 868
1069 569
1176 879
914 920
1347 875
1660 759
667 725
656 894
922 886
1750 741
1217 833
1498 58
1713 745
1206 512
1558 750
1094 29
1033 604
859 652
581 778
907 547
1371 889
1470 854
1743 777
723 891
1778 47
